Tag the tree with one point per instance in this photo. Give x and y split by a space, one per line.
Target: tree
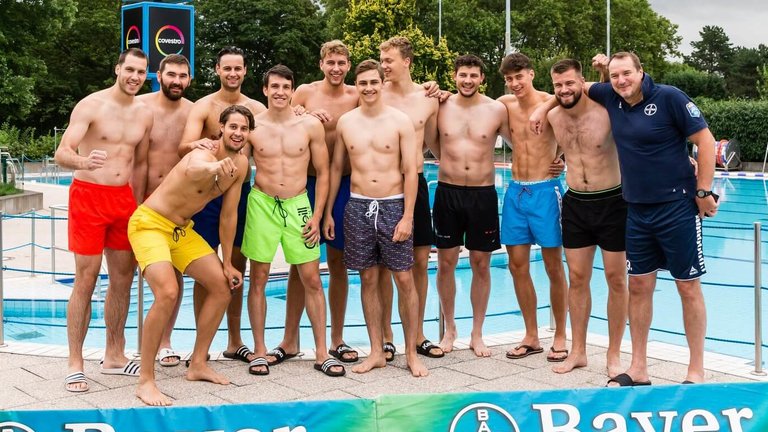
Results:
83 58
27 27
269 31
368 23
695 83
545 30
743 76
713 53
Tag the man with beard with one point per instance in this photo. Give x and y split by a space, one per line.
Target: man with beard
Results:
327 100
161 234
203 122
594 212
170 110
531 212
466 208
110 129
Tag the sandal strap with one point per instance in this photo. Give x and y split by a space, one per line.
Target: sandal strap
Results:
428 345
259 361
344 348
278 353
329 363
76 377
243 351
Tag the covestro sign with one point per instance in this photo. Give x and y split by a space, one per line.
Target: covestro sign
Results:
169 40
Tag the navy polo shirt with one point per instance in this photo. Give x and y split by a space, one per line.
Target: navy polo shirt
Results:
651 141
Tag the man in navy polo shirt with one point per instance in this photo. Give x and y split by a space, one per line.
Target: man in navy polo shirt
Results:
650 124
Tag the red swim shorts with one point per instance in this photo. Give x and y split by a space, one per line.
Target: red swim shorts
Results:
98 217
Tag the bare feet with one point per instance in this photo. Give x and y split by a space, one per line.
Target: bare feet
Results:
478 346
446 343
151 395
372 362
205 373
571 363
416 366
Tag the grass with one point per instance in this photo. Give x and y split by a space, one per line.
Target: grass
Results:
8 189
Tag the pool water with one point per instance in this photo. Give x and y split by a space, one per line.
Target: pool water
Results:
729 296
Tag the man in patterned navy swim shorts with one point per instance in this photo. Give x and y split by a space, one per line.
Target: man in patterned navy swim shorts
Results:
378 222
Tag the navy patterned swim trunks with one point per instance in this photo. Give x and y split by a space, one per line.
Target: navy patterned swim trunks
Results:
369 225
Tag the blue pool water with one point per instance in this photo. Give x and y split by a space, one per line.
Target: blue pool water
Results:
728 247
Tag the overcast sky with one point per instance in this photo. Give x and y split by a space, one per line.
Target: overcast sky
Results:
744 21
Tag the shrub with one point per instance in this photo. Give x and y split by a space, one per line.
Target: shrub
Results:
24 142
744 120
697 83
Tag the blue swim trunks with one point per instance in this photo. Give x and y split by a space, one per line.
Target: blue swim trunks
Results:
338 209
665 236
207 220
531 214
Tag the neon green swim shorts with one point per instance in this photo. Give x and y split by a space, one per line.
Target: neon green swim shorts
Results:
271 221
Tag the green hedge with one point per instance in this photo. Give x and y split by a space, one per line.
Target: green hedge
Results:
24 142
747 121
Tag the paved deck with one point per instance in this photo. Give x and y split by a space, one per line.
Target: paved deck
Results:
34 382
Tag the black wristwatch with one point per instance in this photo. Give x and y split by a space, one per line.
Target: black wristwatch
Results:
701 193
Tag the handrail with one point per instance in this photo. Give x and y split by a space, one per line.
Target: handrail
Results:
758 304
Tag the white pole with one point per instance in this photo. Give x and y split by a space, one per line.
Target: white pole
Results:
608 28
507 33
439 20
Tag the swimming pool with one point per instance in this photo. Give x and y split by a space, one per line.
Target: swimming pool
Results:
728 247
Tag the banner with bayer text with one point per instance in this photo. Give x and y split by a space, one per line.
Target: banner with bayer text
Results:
273 417
739 407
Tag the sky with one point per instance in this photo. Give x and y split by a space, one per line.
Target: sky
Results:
744 21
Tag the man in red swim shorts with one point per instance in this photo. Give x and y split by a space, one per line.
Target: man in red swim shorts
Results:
106 145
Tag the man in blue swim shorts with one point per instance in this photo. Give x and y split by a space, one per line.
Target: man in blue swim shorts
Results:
531 211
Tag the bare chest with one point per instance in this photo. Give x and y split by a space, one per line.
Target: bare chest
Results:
116 126
416 106
270 141
476 125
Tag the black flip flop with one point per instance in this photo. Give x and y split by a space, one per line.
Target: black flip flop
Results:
389 348
624 380
529 350
326 366
426 347
280 356
241 354
341 350
557 359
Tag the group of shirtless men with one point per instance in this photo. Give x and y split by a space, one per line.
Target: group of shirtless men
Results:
343 163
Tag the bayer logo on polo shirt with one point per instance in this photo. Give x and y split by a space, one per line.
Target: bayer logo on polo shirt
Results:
650 109
14 427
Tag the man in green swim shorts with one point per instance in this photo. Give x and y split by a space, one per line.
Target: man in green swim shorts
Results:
279 212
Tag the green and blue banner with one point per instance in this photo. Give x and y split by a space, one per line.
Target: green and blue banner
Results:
741 407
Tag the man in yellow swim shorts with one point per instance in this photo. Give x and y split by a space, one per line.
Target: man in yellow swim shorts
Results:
162 238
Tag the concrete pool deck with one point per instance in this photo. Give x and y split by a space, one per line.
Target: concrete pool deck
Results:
34 381
33 374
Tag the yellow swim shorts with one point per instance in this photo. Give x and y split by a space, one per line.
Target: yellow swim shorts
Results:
154 239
